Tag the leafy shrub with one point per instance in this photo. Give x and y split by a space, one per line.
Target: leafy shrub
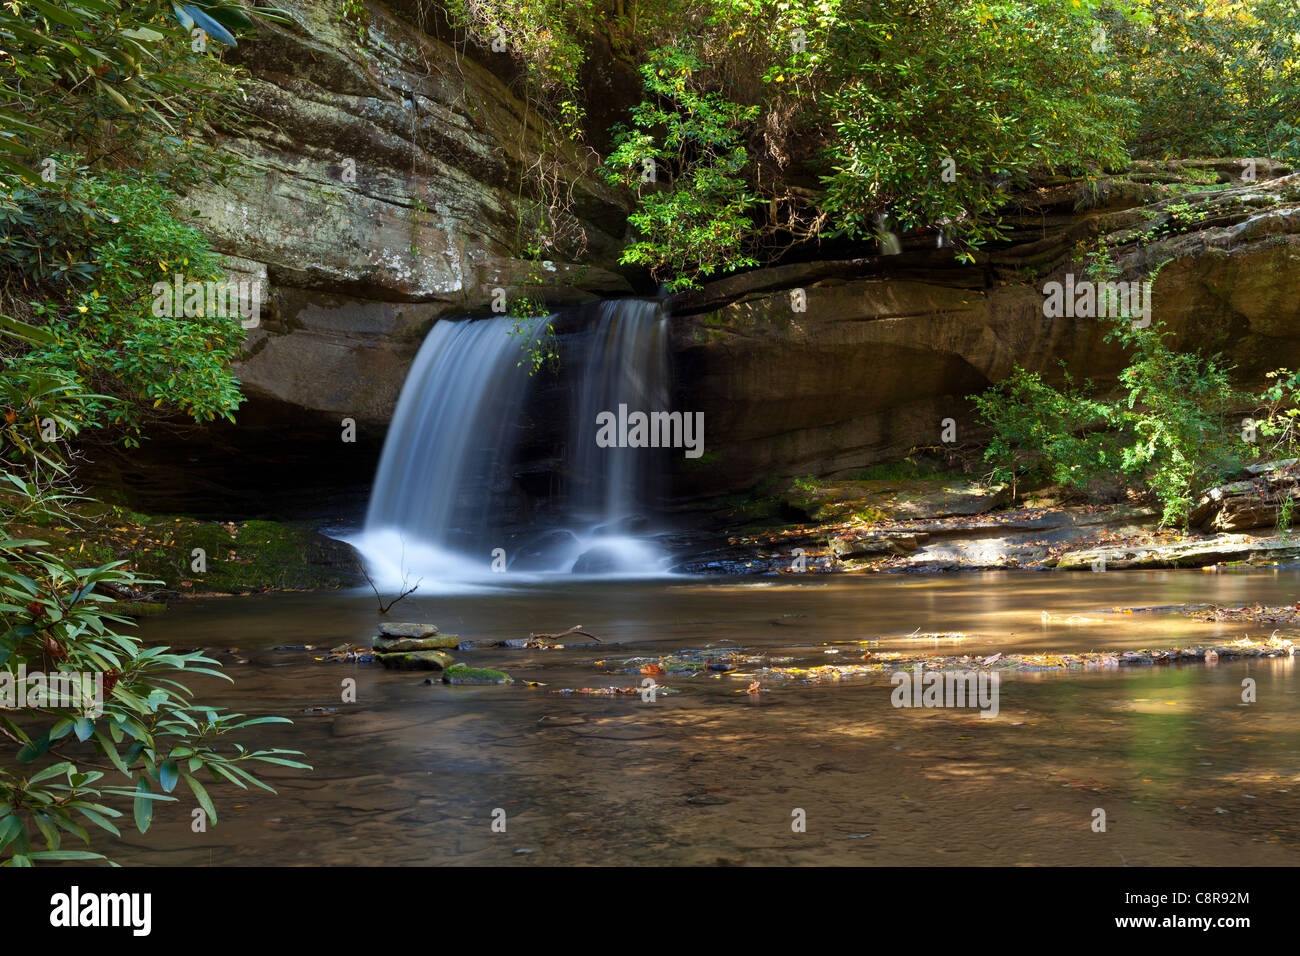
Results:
692 218
122 701
1277 417
92 247
1029 92
1177 419
1170 433
1061 434
1234 66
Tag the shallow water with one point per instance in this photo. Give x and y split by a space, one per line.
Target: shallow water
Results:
1186 773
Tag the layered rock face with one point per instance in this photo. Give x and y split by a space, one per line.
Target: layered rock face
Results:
825 367
389 195
386 193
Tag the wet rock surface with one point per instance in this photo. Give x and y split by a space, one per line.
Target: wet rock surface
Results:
416 660
388 645
875 539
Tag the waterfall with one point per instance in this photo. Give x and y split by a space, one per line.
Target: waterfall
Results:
612 488
441 510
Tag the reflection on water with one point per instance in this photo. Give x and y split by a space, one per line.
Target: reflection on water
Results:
411 774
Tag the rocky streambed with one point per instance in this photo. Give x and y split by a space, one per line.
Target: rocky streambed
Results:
955 524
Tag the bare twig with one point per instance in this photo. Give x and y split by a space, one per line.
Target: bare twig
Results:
385 608
552 638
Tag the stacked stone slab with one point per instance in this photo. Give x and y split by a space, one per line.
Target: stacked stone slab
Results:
1254 502
414 647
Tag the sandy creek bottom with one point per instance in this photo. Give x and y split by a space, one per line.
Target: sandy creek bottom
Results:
1186 773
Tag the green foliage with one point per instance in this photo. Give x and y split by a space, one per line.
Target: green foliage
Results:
1022 90
693 214
1234 65
537 341
1177 415
1170 431
356 16
116 82
550 37
116 700
80 252
92 247
1061 434
1277 418
776 123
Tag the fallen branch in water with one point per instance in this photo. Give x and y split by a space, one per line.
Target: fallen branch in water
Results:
540 639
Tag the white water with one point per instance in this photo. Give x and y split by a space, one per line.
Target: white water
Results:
437 507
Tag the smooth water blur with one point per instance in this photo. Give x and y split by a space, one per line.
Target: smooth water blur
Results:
446 464
411 773
447 454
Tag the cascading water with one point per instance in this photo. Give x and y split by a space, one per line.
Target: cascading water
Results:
438 509
612 488
444 462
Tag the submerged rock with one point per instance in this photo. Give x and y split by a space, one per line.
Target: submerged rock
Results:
390 645
416 660
462 674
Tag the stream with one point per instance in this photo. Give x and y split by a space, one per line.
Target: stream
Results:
1186 773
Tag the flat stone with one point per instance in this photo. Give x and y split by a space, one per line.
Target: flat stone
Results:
416 660
1267 466
1197 552
845 548
391 645
407 630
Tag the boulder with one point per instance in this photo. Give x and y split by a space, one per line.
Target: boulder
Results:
1257 502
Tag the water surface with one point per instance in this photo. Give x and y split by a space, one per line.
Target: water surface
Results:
1186 773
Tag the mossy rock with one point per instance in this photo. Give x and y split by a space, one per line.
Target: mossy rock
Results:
416 660
238 557
407 630
462 674
393 645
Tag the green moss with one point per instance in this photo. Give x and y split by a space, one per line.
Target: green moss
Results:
463 674
237 557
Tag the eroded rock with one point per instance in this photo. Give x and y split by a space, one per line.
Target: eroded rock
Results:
390 645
